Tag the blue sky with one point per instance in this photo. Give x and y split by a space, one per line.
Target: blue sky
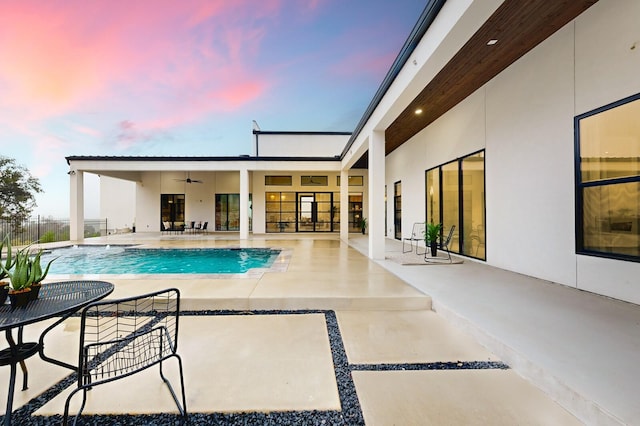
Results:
187 77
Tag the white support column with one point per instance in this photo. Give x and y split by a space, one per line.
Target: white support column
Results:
344 205
376 195
244 204
76 217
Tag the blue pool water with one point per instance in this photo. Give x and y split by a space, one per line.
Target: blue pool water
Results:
130 260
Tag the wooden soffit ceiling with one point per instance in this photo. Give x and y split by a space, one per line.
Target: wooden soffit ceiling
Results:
518 25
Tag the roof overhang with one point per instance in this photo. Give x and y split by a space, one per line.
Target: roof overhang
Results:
517 25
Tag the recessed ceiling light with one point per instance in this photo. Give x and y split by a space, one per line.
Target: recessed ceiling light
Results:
418 111
492 42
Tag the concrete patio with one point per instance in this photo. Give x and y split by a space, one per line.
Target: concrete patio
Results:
340 339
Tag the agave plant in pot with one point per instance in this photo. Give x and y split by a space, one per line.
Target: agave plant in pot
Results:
21 279
431 235
37 275
8 263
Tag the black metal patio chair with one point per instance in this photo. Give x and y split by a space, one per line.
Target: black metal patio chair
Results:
445 244
122 337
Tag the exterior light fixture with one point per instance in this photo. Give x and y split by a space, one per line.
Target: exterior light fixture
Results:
418 111
492 42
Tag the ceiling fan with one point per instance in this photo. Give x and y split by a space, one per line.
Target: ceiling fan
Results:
188 179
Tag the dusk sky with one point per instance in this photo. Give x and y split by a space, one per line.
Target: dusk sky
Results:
182 77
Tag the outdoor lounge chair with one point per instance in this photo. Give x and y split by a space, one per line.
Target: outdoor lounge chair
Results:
122 337
417 235
170 227
445 245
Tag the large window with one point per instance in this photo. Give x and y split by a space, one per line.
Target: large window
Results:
280 211
302 211
270 180
397 210
314 180
228 212
608 180
172 210
451 202
455 196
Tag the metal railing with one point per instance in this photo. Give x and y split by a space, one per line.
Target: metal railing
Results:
47 230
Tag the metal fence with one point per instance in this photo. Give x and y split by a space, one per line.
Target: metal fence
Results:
47 230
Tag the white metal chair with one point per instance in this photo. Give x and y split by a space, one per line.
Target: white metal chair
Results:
417 235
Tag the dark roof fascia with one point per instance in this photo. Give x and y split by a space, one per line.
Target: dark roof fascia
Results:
270 132
425 20
194 159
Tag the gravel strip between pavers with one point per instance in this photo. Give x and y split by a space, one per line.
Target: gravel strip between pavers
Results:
351 413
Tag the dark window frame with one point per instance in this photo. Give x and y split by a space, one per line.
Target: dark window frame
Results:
580 186
460 225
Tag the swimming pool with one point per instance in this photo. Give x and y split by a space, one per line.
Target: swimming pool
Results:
132 260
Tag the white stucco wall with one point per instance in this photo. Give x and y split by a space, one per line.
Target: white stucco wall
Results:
300 145
148 203
529 163
117 203
524 120
607 65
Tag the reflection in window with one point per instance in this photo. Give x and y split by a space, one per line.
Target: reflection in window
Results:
278 180
450 203
172 211
228 212
354 180
455 195
608 180
397 210
280 211
433 195
610 143
610 218
314 180
473 215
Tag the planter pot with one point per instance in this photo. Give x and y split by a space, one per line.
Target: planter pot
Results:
35 291
20 298
363 231
4 292
434 249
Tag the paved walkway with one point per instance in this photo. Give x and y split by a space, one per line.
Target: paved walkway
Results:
580 348
340 339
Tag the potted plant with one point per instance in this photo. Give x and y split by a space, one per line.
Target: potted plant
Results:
37 275
9 261
363 224
431 235
21 279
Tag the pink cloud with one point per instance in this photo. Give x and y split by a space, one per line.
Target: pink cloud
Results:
193 56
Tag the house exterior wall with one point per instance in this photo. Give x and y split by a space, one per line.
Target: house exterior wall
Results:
523 118
148 203
141 200
117 203
299 144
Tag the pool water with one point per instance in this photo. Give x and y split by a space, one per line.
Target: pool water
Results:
130 260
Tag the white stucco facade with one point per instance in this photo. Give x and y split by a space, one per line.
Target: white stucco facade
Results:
523 119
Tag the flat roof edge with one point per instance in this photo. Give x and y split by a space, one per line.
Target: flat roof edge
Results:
194 159
302 133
